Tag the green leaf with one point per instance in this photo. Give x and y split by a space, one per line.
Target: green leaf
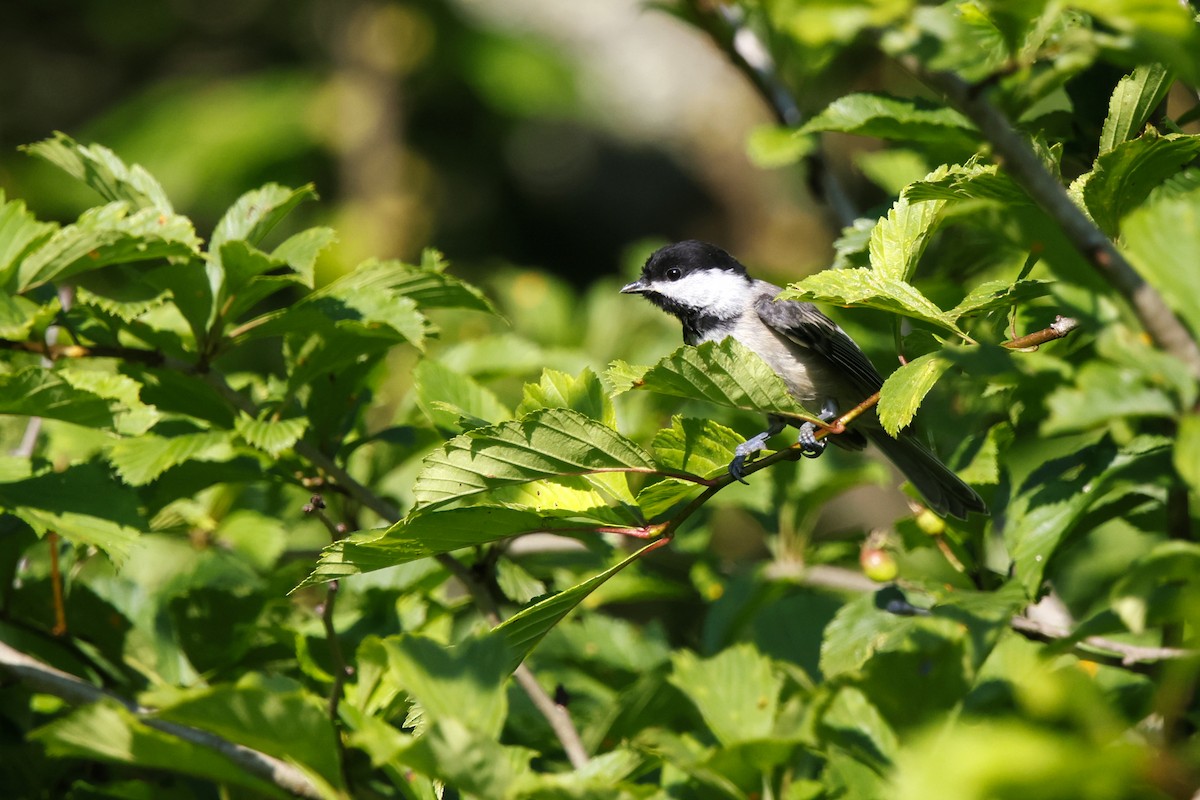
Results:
459 756
141 459
991 295
448 398
1103 393
905 388
107 235
899 239
1169 564
301 250
18 315
255 213
523 630
1162 238
103 171
852 723
1123 177
419 536
545 443
82 503
774 146
464 682
583 393
726 373
622 377
1187 451
272 436
287 723
866 287
736 691
40 392
20 234
699 446
972 182
1133 100
904 119
428 285
106 731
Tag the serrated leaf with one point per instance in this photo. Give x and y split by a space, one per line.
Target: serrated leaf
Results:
256 212
1123 177
992 295
39 392
447 396
464 682
736 691
583 393
20 234
660 497
865 287
1133 100
1162 238
141 459
726 373
300 251
428 286
522 631
1102 393
900 238
103 171
119 290
272 436
82 503
544 444
419 536
622 377
973 182
699 446
107 235
905 388
905 119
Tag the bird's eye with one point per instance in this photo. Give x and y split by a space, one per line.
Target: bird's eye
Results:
674 274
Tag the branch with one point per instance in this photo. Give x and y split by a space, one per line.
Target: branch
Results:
1013 152
49 680
725 23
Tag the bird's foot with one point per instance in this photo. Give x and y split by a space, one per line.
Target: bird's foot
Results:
737 467
810 445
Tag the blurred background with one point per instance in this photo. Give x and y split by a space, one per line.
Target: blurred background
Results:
537 133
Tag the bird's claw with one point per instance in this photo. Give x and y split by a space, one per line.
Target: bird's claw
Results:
810 445
737 469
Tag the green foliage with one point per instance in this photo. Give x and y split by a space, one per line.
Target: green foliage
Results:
326 515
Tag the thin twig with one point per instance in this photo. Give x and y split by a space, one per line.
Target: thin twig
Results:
1018 158
50 680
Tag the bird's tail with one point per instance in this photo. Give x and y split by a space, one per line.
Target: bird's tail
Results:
942 489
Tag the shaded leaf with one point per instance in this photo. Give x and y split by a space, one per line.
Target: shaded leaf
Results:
1187 451
40 392
141 459
106 731
447 397
523 630
991 295
1123 177
736 691
464 682
1168 564
699 446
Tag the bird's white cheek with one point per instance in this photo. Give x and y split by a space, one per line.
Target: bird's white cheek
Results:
717 293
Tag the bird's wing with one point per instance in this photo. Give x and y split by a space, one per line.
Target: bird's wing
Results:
807 327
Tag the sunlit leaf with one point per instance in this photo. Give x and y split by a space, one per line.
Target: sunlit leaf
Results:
141 459
542 444
583 393
905 388
1133 100
447 397
866 287
1161 239
272 436
103 171
40 392
1124 176
885 117
20 233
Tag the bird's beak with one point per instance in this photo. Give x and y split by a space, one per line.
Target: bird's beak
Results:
637 287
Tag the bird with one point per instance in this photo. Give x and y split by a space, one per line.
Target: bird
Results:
711 293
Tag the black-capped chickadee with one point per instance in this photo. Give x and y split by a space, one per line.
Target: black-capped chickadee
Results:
709 291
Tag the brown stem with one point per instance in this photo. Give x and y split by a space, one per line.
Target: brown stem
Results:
56 585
